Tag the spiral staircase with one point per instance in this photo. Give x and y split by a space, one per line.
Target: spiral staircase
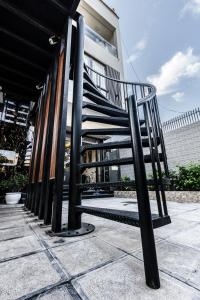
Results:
105 111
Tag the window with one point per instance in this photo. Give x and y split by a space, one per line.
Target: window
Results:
100 82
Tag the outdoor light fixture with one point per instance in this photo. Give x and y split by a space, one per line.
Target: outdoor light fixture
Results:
53 40
39 87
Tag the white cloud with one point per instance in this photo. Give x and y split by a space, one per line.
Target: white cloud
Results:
138 48
141 45
181 65
178 97
192 6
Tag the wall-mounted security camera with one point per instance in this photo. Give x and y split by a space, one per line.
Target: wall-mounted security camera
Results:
53 40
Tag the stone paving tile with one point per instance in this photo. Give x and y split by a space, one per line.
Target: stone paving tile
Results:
193 215
13 233
19 246
85 255
57 294
177 226
11 224
124 280
127 239
25 275
179 261
190 236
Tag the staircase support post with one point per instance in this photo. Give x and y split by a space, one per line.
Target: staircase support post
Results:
75 227
146 226
61 131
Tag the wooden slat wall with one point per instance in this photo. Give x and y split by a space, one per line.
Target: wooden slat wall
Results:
56 116
45 116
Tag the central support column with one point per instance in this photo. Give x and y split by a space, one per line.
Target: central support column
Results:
75 227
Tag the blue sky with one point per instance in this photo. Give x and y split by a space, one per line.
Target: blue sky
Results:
162 41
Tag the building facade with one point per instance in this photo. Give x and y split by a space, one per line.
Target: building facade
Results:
103 54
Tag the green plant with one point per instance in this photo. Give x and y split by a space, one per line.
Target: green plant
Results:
186 178
126 179
15 183
3 159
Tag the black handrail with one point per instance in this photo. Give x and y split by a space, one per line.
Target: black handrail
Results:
133 86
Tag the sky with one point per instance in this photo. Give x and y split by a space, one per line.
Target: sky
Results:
161 43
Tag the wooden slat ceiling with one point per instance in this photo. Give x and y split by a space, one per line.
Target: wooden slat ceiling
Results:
25 52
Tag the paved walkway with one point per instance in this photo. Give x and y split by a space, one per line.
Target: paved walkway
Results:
104 265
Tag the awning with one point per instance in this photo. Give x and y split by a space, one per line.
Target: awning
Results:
25 51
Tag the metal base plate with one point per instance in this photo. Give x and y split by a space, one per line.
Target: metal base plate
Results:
85 229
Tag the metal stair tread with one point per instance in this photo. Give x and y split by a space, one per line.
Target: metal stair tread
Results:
113 162
123 216
106 120
111 131
105 110
116 145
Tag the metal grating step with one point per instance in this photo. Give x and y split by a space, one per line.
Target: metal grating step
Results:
105 110
106 120
99 100
91 88
111 131
116 145
126 217
117 162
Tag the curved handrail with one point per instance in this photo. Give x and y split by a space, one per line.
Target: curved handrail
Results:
151 88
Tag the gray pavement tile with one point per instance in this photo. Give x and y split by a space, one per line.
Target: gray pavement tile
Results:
179 261
57 294
20 246
124 280
193 215
5 224
177 226
13 233
127 239
25 275
84 255
190 236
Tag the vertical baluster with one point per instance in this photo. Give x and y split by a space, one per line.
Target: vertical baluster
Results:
152 149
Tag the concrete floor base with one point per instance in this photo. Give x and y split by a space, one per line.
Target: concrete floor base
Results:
103 265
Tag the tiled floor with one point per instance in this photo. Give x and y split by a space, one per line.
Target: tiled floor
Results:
104 265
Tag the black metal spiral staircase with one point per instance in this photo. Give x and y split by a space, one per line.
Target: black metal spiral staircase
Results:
151 138
139 122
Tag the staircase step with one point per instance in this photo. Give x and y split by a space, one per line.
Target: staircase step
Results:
116 162
88 86
106 120
116 145
126 217
99 99
105 110
111 131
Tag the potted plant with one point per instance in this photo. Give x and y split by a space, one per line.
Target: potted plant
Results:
12 188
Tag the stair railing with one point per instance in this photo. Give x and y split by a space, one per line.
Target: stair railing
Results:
137 101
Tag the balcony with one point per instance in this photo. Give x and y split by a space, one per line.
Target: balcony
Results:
100 41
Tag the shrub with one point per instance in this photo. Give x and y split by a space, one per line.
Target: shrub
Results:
186 178
15 183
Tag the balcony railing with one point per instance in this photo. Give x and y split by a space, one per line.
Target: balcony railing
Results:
100 40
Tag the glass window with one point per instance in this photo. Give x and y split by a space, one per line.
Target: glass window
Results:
100 82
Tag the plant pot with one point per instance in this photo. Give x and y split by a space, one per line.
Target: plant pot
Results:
13 198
